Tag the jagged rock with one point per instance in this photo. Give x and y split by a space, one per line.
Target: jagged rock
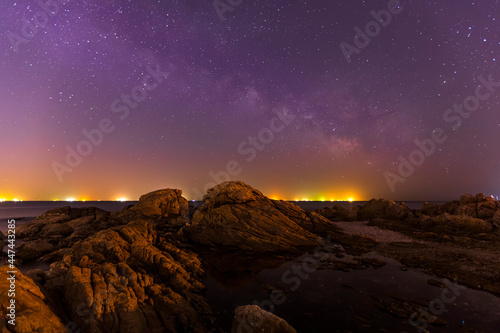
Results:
32 313
125 279
54 221
60 228
384 209
235 215
251 318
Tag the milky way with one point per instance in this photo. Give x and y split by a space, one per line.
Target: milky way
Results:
318 100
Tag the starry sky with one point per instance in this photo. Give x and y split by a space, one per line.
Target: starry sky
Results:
273 93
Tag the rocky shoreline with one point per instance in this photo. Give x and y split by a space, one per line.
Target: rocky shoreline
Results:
142 269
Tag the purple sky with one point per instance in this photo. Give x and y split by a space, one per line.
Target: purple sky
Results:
343 128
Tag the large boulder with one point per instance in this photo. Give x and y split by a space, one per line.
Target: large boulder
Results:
251 318
383 209
167 208
163 203
235 215
32 313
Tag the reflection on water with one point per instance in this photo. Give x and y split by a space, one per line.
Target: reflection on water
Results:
335 301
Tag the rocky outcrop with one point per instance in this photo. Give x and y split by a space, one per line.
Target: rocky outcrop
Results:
477 213
127 279
383 209
59 229
251 318
32 314
478 206
236 216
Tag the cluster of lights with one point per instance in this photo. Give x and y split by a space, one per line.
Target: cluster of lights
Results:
71 199
323 200
15 200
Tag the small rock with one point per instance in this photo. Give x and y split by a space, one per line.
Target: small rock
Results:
251 318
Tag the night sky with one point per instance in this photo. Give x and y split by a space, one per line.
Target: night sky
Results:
274 93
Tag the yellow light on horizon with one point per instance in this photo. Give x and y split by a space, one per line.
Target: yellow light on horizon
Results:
121 199
351 199
70 199
16 200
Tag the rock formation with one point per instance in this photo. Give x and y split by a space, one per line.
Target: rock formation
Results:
136 270
383 209
236 216
127 279
167 209
54 232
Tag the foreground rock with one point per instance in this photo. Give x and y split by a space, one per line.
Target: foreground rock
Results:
236 216
127 279
32 314
251 318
